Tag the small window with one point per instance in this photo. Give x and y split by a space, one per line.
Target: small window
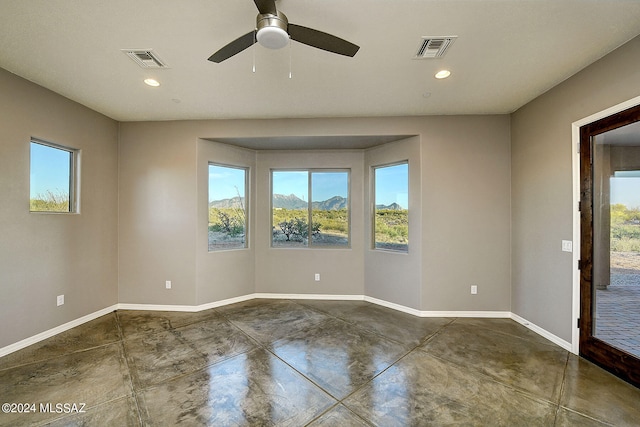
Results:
391 207
310 208
227 207
52 178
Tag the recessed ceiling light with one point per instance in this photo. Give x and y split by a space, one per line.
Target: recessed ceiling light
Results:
443 74
152 82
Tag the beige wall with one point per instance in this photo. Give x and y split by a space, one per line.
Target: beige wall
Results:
45 255
456 160
394 276
466 177
224 274
158 214
542 189
291 271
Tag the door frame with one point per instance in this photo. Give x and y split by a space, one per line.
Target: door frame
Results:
575 150
576 165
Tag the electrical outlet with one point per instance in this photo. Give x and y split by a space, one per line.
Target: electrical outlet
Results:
167 284
474 289
60 300
317 277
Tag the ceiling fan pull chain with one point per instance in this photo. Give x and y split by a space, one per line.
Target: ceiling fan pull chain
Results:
253 50
289 58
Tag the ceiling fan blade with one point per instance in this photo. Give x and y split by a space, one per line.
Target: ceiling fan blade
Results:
266 7
236 46
321 40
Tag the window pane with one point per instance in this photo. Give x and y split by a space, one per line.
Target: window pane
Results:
51 178
290 202
330 208
391 222
227 208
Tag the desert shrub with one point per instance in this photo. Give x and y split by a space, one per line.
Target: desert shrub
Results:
333 221
297 228
625 229
628 231
392 225
50 202
625 244
227 220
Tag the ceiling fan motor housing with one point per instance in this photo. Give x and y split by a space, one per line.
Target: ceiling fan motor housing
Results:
272 30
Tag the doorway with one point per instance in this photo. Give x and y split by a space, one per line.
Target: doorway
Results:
610 243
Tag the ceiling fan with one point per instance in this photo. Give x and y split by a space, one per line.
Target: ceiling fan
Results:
273 31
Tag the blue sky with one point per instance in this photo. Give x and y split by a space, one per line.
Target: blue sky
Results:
325 185
625 189
291 182
49 170
392 185
225 182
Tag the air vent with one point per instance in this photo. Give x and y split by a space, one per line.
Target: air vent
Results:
145 58
434 47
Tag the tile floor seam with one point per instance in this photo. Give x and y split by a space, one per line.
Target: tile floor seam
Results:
86 408
184 374
341 401
488 377
437 333
562 389
489 328
302 374
142 390
126 361
83 350
154 385
334 407
374 332
600 421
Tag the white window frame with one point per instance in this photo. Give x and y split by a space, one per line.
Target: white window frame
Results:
374 205
310 172
247 171
74 176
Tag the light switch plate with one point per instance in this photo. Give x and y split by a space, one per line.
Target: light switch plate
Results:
567 246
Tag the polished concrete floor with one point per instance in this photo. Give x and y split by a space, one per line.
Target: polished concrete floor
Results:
297 363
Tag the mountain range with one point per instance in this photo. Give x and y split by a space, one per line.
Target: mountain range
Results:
235 202
393 206
291 201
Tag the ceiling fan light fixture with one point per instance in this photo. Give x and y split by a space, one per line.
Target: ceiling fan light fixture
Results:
273 31
272 37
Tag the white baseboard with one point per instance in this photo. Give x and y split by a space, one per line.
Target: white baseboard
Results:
328 297
394 306
477 314
422 313
158 307
543 332
55 331
186 308
195 308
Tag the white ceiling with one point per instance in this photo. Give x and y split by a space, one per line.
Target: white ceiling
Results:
507 53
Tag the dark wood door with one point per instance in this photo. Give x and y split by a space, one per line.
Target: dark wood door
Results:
610 243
